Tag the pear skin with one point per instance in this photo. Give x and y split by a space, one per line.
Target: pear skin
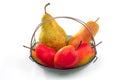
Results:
66 57
86 53
36 58
83 34
52 34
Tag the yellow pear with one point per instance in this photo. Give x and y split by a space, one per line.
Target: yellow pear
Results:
52 34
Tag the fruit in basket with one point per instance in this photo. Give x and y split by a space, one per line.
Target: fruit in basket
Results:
83 34
66 57
34 56
52 34
86 53
44 55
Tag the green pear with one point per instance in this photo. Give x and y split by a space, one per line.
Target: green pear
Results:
52 34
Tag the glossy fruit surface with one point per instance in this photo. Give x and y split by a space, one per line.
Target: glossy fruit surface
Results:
45 55
86 53
66 57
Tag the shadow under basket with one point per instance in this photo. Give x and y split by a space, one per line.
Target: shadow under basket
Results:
34 42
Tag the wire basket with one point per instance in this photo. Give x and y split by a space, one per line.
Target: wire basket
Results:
33 41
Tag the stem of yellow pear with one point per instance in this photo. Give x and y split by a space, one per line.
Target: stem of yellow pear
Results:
45 7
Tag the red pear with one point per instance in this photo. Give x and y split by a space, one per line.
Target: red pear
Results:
36 58
66 57
44 55
86 53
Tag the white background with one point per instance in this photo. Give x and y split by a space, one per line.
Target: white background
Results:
19 18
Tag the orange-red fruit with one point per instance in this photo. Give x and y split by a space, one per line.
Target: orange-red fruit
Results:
66 57
83 34
36 58
45 55
86 53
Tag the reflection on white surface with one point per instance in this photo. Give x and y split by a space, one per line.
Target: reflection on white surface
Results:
70 74
20 68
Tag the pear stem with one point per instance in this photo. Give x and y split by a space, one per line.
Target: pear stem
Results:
79 44
97 19
28 47
45 7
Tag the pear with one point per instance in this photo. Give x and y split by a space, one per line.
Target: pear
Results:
52 34
83 34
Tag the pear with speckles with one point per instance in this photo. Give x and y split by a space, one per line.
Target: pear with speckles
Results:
52 34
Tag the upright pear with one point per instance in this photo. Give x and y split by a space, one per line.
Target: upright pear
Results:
51 33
